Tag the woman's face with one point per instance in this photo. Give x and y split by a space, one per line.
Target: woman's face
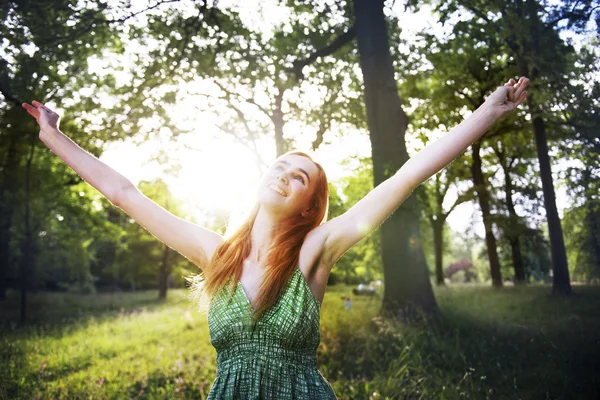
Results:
288 185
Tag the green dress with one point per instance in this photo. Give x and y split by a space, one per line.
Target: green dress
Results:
274 357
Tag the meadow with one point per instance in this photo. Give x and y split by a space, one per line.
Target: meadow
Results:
516 343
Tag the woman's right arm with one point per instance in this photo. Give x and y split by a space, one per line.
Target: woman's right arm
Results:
192 241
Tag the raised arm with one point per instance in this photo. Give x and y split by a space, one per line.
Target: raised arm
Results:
192 241
343 232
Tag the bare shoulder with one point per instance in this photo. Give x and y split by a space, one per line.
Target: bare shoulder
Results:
314 264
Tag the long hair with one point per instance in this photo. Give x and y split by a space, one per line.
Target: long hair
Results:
281 257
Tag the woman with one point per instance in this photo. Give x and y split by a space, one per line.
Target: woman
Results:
267 281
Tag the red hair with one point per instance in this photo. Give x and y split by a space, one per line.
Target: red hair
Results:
282 255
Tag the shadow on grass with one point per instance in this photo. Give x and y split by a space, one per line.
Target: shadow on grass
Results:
160 385
488 354
13 369
60 311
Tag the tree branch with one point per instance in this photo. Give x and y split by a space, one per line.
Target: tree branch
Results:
462 198
158 4
249 101
5 84
340 41
573 14
99 20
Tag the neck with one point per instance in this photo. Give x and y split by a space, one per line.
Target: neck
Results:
261 235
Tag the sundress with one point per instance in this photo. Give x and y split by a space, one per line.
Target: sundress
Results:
274 357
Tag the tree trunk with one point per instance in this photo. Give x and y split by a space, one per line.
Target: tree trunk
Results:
594 221
27 244
484 203
6 211
560 269
561 282
163 274
407 287
513 234
278 123
438 244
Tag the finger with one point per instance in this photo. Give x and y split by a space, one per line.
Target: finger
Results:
40 107
521 98
511 82
31 110
523 82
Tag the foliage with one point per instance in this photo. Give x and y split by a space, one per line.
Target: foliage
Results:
535 249
362 262
583 241
581 147
132 259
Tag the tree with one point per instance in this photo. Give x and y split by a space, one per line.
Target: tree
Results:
159 192
513 155
530 29
431 197
462 69
362 262
407 285
44 56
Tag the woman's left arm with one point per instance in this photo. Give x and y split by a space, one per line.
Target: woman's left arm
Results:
343 232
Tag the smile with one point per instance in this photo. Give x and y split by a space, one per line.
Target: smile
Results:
276 189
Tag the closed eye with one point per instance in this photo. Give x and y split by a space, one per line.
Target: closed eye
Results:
279 167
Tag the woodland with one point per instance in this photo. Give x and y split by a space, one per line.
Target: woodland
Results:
116 70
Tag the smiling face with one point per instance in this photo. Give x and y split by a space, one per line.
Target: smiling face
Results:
288 186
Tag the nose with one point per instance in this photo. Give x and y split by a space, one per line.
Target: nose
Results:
282 177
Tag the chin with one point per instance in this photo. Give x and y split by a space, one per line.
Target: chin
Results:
270 202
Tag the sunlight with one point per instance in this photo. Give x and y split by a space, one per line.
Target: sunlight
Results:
211 173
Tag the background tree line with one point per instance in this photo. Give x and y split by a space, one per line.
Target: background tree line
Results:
57 233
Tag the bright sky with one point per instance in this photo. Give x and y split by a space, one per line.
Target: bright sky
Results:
222 175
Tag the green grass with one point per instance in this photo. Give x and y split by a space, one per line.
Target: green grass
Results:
508 344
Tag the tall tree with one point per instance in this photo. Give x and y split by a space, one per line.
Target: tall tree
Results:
407 284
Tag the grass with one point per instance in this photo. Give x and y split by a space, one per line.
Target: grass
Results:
508 344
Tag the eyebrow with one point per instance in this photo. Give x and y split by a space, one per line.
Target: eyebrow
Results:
300 169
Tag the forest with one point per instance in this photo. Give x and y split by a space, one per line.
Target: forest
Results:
194 98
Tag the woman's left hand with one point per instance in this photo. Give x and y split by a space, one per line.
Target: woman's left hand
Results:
506 98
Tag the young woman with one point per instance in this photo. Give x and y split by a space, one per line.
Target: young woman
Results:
267 280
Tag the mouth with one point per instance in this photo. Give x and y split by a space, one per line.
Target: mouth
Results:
277 190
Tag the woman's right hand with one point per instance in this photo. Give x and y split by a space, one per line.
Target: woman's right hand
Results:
47 119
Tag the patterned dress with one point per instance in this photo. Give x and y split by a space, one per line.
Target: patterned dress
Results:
274 357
